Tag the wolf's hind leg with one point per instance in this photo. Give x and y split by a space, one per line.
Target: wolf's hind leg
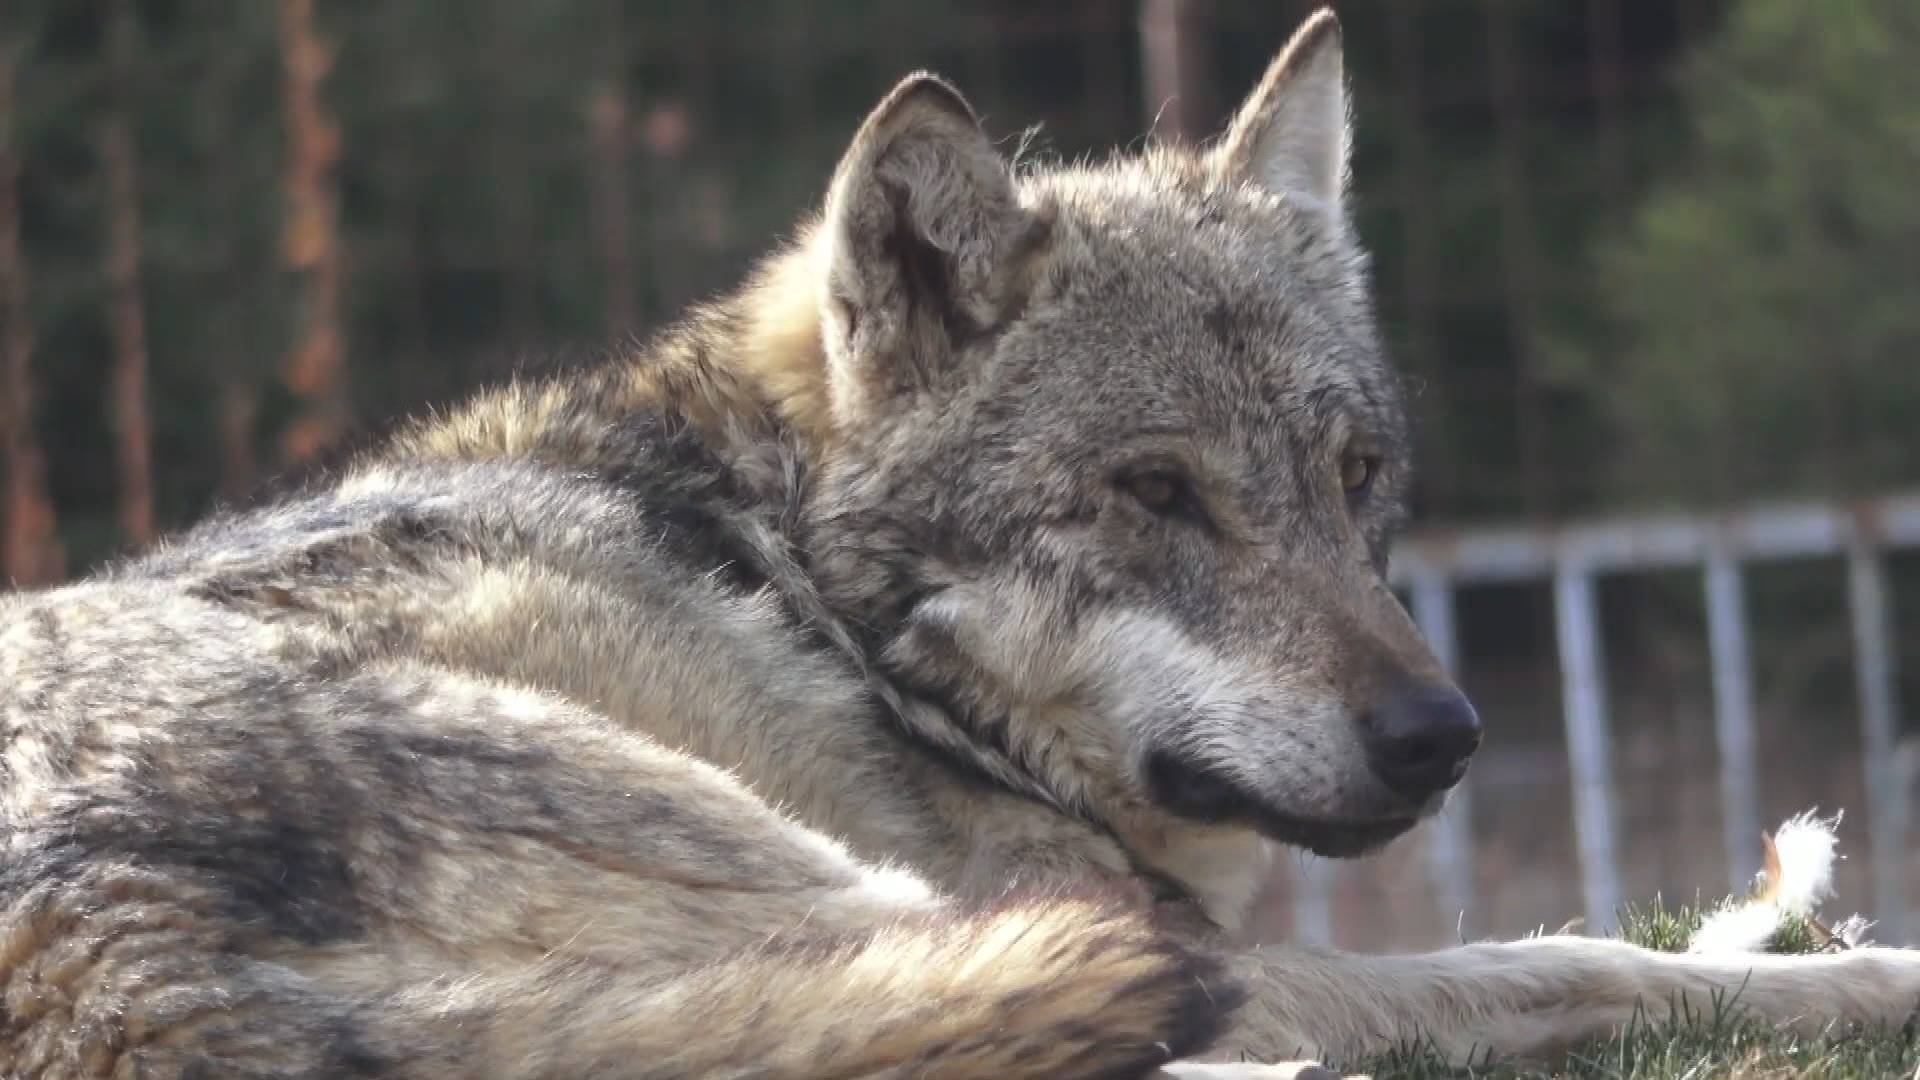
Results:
1060 988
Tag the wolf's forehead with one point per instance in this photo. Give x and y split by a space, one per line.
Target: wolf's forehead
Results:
1170 244
1152 203
1221 302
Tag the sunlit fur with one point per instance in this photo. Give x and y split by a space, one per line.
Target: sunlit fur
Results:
784 700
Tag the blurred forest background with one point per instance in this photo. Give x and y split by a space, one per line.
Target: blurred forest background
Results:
1631 253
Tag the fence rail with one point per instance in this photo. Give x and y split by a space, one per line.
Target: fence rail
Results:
1433 565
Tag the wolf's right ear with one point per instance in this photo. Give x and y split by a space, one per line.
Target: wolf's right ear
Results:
926 246
1290 136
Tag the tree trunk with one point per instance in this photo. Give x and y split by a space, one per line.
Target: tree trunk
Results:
1173 44
30 549
239 407
128 390
316 368
611 121
229 341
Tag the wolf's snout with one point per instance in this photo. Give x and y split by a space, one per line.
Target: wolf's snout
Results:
1418 741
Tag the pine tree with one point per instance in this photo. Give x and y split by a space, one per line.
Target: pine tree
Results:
31 554
128 393
1759 315
316 367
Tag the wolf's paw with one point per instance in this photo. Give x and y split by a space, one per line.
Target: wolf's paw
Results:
1246 1070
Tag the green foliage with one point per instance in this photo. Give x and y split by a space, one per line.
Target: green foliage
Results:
1659 927
1760 326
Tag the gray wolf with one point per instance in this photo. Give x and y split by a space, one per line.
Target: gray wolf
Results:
901 668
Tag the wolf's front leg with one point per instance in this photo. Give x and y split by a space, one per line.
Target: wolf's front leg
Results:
1246 1070
1542 995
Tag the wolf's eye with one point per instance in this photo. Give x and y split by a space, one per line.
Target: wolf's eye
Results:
1155 491
1357 472
1163 492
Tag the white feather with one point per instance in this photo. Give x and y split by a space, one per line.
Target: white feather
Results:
1806 848
1853 931
1737 928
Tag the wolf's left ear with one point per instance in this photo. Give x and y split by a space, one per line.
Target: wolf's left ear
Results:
926 246
1291 134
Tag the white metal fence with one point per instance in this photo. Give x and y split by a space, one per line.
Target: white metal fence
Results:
1431 566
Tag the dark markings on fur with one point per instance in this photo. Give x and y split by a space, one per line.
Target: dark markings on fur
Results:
689 493
1219 323
278 866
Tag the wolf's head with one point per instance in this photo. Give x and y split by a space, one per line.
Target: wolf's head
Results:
1114 463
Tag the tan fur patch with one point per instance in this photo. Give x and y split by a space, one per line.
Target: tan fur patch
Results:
781 352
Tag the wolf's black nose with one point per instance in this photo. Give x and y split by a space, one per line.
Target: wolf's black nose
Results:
1418 741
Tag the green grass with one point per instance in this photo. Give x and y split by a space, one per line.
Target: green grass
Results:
1719 1042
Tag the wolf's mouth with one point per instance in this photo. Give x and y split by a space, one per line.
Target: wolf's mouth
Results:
1200 794
1331 839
